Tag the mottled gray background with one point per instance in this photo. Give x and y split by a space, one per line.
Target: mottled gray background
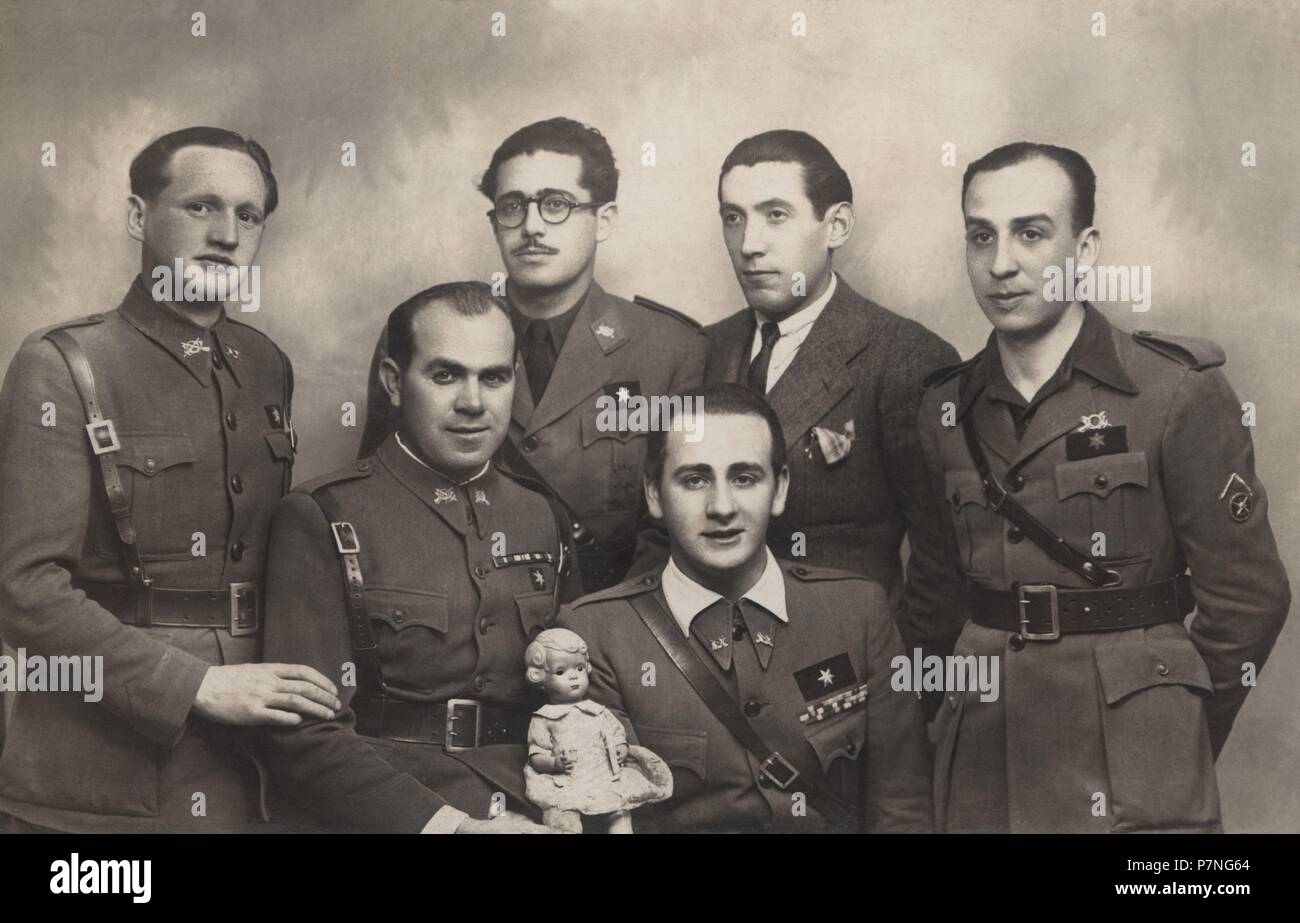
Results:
1161 106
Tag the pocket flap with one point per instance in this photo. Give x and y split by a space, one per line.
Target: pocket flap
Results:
403 608
149 453
1101 475
592 421
1128 668
963 487
281 446
536 611
685 749
841 736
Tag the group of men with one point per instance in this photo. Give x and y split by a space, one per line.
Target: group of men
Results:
349 655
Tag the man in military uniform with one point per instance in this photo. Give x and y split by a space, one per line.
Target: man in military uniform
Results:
553 186
1086 470
765 685
415 578
145 547
843 374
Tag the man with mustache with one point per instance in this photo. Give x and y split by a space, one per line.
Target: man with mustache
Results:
416 577
1086 471
552 185
764 684
843 374
144 450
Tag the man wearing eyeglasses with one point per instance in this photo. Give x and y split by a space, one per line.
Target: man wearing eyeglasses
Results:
552 185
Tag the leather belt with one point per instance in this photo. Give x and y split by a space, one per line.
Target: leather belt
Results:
454 725
237 608
1043 612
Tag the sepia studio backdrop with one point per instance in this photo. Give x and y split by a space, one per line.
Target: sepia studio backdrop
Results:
1161 104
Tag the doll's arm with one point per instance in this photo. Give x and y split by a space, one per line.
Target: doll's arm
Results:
541 749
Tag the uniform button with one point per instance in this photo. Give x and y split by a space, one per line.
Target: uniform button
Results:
647 580
480 571
738 631
531 443
399 616
483 626
216 358
231 420
236 483
1017 643
801 571
150 464
237 551
753 708
956 499
479 684
1100 481
1162 668
850 747
1016 483
1014 535
363 466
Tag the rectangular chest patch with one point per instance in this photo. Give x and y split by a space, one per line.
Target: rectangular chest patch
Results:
822 679
1096 442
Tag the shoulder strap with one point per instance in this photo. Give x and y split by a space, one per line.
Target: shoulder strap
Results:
1058 549
348 545
103 445
773 766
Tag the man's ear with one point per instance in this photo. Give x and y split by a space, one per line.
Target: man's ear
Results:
841 225
606 221
1087 247
652 499
135 209
782 488
390 376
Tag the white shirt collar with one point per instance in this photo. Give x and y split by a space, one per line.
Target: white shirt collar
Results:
687 599
425 464
800 319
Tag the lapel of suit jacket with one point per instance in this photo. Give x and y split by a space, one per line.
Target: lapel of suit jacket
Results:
584 365
818 377
730 345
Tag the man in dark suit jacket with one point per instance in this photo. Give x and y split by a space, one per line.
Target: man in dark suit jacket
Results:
844 375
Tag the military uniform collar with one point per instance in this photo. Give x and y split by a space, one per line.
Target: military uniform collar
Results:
560 325
1092 352
189 343
463 505
686 599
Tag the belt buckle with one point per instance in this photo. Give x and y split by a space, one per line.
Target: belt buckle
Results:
449 744
345 538
783 775
1040 589
244 610
103 437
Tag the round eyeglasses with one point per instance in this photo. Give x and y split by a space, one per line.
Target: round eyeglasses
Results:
511 210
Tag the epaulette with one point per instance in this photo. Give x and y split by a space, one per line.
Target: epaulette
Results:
87 321
943 373
1194 352
358 469
664 309
633 586
808 573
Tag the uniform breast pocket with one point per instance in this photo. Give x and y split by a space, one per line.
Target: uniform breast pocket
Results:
1157 743
409 626
838 743
536 611
971 521
281 448
1104 505
615 466
684 750
157 473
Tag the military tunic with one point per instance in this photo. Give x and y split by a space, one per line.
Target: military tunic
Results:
838 644
202 416
1136 449
458 578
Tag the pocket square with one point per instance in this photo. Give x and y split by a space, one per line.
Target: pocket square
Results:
835 446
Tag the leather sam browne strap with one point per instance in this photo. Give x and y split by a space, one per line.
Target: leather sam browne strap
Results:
1058 549
103 445
773 766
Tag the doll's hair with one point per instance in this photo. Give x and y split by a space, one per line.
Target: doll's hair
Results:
552 639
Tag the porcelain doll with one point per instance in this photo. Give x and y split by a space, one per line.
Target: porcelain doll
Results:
579 761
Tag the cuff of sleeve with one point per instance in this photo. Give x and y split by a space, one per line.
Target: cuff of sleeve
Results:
445 820
164 719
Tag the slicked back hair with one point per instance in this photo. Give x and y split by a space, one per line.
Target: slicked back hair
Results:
149 174
559 135
824 180
716 400
468 299
1082 180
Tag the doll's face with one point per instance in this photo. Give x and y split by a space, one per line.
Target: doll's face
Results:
566 677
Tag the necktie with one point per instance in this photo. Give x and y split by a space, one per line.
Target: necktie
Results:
757 379
539 359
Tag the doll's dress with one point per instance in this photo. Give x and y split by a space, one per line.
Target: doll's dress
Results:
593 786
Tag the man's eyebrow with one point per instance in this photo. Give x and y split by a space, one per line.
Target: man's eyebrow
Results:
449 364
498 370
746 468
693 469
973 221
544 191
1040 218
